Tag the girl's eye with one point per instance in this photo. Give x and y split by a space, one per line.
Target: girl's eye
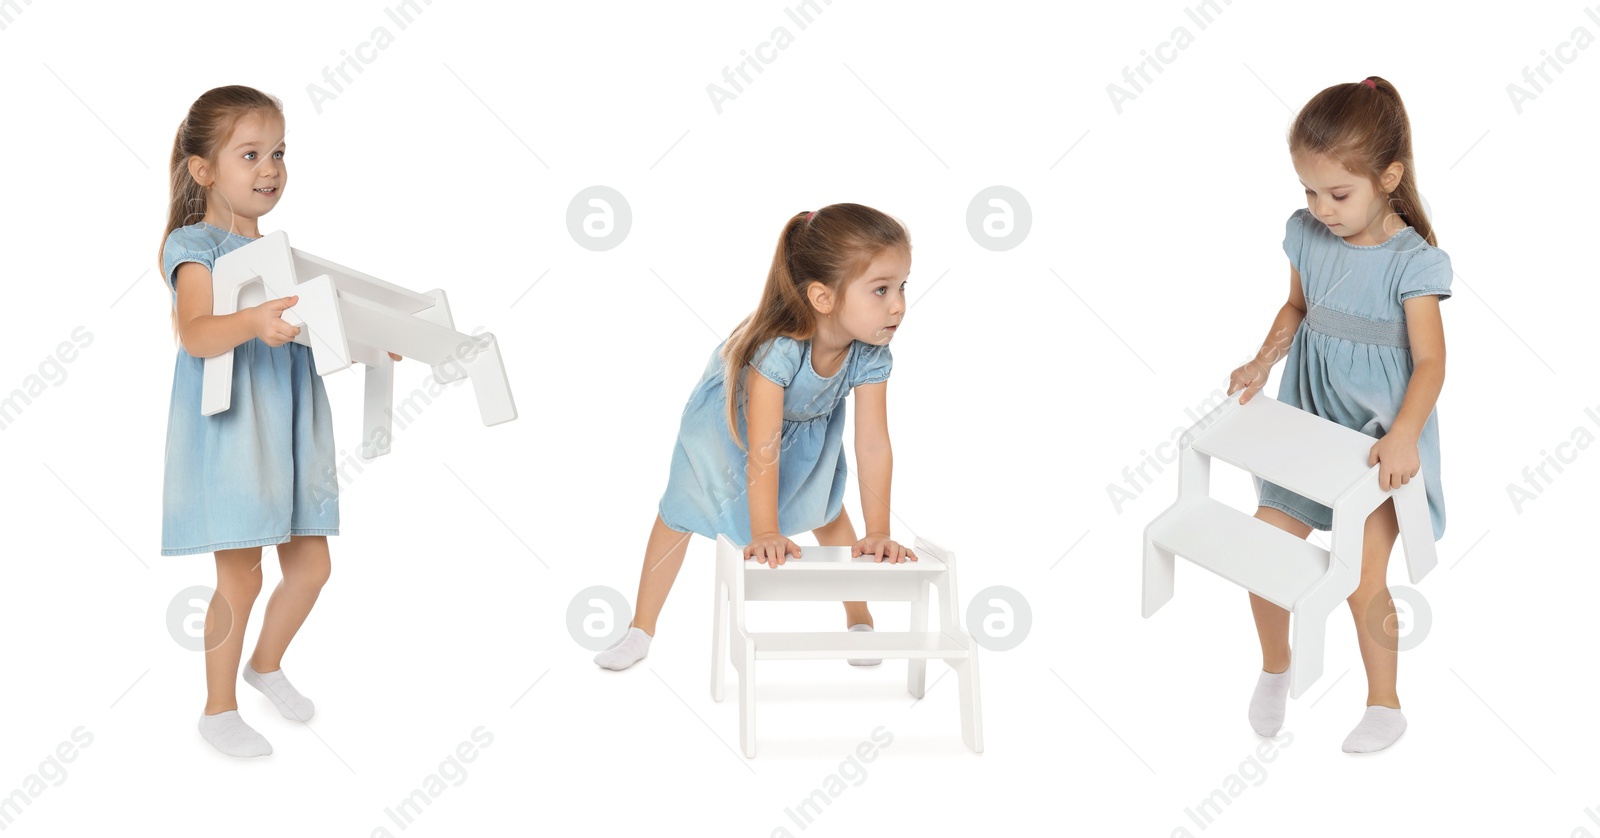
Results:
249 155
278 155
881 289
1340 197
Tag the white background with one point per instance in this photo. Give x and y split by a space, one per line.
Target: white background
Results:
1025 382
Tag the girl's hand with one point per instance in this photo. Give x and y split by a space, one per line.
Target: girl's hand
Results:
884 548
770 548
266 321
1252 377
1397 452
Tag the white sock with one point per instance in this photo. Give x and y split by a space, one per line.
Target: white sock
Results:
1268 702
229 734
1380 726
863 661
626 652
275 685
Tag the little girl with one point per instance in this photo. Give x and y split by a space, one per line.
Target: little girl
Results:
762 457
262 471
1365 349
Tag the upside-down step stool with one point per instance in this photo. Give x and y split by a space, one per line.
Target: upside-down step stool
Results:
1308 455
348 317
825 574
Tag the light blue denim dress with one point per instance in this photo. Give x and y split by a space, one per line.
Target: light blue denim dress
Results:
1351 359
707 490
262 470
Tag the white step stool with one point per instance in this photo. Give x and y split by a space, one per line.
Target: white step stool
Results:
1308 455
829 574
346 316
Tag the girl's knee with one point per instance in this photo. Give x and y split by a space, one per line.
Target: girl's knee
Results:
1372 591
241 590
239 578
308 574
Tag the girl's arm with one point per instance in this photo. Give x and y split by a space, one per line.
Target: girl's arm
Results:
1252 376
204 334
875 470
763 440
1397 451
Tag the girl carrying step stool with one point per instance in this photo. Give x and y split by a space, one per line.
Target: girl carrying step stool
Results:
1365 348
262 471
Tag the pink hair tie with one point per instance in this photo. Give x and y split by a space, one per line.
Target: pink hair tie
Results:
810 214
1370 83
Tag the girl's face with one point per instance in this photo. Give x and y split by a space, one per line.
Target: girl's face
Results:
249 174
875 302
1347 202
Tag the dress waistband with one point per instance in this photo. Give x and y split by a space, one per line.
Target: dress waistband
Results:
1353 327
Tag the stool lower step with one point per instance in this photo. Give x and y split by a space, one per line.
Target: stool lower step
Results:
1226 542
824 645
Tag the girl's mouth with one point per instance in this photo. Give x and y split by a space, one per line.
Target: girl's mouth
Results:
267 190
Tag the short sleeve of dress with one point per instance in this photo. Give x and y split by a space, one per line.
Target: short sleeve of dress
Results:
1294 239
1428 272
778 359
872 364
182 247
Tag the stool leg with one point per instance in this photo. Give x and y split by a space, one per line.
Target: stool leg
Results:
489 384
719 639
1158 576
1305 653
377 401
747 703
971 709
917 668
1416 528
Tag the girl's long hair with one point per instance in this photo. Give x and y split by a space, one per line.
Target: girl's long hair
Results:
832 246
202 133
1365 129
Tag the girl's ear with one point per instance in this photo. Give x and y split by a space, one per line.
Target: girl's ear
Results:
199 170
1391 175
821 298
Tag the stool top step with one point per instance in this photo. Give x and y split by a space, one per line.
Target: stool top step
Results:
838 558
1283 444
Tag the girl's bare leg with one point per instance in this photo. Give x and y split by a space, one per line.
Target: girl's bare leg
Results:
1373 610
663 555
238 583
840 533
306 565
1269 702
1272 622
